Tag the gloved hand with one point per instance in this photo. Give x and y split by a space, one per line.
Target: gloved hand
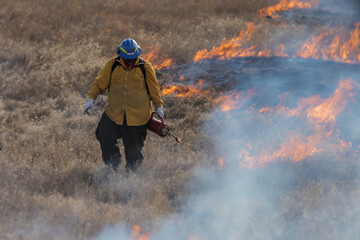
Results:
160 112
89 105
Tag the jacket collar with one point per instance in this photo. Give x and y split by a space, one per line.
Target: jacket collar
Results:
128 67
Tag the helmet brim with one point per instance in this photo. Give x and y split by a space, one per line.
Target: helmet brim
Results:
126 56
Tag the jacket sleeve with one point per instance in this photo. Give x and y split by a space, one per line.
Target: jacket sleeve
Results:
102 81
153 85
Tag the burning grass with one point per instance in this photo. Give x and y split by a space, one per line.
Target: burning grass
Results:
285 5
344 46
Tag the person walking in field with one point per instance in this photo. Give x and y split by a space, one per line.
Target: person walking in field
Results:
132 89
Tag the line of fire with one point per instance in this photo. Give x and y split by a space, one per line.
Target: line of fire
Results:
296 124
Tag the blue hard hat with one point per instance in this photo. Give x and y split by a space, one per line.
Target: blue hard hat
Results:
128 49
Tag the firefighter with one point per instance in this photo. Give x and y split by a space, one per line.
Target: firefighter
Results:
132 89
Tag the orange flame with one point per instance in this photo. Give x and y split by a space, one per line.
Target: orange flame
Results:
168 90
281 53
320 110
231 48
265 110
264 53
343 47
234 100
340 49
220 164
316 109
298 148
344 145
311 48
331 107
157 61
285 5
321 115
136 234
181 91
229 102
246 160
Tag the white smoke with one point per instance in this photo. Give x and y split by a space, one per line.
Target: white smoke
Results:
315 198
119 231
39 228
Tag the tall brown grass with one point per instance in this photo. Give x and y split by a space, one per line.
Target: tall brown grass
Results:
52 175
51 168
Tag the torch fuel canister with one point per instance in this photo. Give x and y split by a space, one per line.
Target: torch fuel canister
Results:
159 127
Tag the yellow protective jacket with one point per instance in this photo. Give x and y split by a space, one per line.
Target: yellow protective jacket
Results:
127 92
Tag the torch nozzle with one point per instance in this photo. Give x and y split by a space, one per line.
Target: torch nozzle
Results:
178 140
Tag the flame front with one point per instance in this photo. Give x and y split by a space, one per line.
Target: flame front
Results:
340 49
321 117
327 110
181 91
231 48
318 110
311 48
234 100
335 45
285 5
157 61
229 102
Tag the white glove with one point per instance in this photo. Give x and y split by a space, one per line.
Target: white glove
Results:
160 112
89 105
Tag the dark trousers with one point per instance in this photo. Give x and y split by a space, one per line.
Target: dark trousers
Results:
108 132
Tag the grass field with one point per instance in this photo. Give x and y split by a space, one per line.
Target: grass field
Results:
54 184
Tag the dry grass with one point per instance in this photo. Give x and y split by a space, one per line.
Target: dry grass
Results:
52 175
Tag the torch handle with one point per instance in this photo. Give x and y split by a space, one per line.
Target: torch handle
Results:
161 119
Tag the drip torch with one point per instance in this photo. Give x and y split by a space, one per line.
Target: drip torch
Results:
160 128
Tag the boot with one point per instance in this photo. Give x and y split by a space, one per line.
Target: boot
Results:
114 161
131 166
